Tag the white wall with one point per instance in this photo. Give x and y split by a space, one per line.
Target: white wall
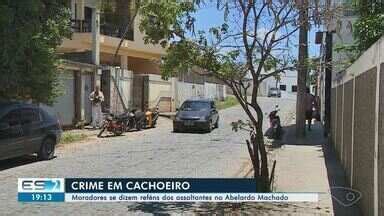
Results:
289 78
158 88
187 90
64 107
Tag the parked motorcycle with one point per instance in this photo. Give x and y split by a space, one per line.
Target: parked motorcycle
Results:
114 124
135 119
151 117
275 130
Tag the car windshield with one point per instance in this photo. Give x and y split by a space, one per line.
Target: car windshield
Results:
273 89
195 106
3 108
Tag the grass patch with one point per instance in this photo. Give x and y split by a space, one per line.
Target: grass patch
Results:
69 137
229 101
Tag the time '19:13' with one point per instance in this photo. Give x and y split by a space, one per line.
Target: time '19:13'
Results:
41 197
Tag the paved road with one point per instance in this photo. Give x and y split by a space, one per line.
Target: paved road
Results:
150 153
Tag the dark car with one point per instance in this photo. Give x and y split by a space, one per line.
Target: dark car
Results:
196 114
27 129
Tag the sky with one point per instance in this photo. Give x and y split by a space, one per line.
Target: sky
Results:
209 16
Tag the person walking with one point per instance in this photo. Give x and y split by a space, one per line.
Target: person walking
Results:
96 97
309 104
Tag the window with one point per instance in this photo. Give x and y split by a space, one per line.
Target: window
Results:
12 118
283 87
195 106
29 115
294 88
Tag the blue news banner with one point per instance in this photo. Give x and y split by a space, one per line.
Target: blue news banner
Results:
149 190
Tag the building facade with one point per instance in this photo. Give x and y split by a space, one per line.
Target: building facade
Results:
129 79
286 82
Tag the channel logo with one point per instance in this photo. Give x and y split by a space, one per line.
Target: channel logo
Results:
41 185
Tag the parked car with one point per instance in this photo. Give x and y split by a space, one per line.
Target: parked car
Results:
196 114
274 92
27 129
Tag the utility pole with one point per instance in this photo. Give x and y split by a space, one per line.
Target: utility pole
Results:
328 81
96 42
302 69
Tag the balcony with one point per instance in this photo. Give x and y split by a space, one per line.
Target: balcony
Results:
84 26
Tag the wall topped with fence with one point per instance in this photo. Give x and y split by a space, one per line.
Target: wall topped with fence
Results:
357 127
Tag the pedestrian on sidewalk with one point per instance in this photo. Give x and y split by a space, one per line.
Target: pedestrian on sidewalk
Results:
96 97
309 105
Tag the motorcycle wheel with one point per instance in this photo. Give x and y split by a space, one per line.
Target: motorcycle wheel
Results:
139 125
118 132
154 120
101 131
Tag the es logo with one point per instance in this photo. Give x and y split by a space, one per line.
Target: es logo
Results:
40 185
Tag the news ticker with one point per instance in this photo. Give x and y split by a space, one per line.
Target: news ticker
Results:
149 190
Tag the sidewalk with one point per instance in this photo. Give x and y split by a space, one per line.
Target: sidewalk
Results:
309 165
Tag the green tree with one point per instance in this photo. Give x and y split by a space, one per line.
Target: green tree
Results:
30 31
250 46
367 29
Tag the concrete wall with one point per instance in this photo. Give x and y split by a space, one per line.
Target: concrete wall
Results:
160 93
381 144
357 121
64 107
187 90
364 138
289 79
347 128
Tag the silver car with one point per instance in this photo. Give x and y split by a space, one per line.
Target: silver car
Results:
274 92
27 129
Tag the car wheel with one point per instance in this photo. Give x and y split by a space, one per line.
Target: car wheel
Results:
209 129
47 149
217 123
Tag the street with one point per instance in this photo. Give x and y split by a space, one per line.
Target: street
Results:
149 153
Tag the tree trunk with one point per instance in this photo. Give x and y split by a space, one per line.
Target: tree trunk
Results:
302 71
263 180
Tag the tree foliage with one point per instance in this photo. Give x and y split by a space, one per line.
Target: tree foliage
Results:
367 29
30 31
251 45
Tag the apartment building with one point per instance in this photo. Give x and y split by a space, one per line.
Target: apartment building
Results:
130 79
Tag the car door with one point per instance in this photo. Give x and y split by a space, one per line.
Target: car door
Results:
11 135
31 122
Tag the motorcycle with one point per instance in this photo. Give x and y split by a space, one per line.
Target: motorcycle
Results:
118 124
151 117
141 120
135 119
275 130
114 124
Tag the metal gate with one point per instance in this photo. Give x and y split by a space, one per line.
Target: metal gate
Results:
87 79
140 91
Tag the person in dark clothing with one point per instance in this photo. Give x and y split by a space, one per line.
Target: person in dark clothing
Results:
309 103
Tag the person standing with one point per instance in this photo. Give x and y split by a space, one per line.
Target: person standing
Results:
96 97
309 104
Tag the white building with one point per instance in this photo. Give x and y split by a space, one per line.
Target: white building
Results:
287 83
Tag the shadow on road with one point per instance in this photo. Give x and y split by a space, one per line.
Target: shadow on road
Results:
19 161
